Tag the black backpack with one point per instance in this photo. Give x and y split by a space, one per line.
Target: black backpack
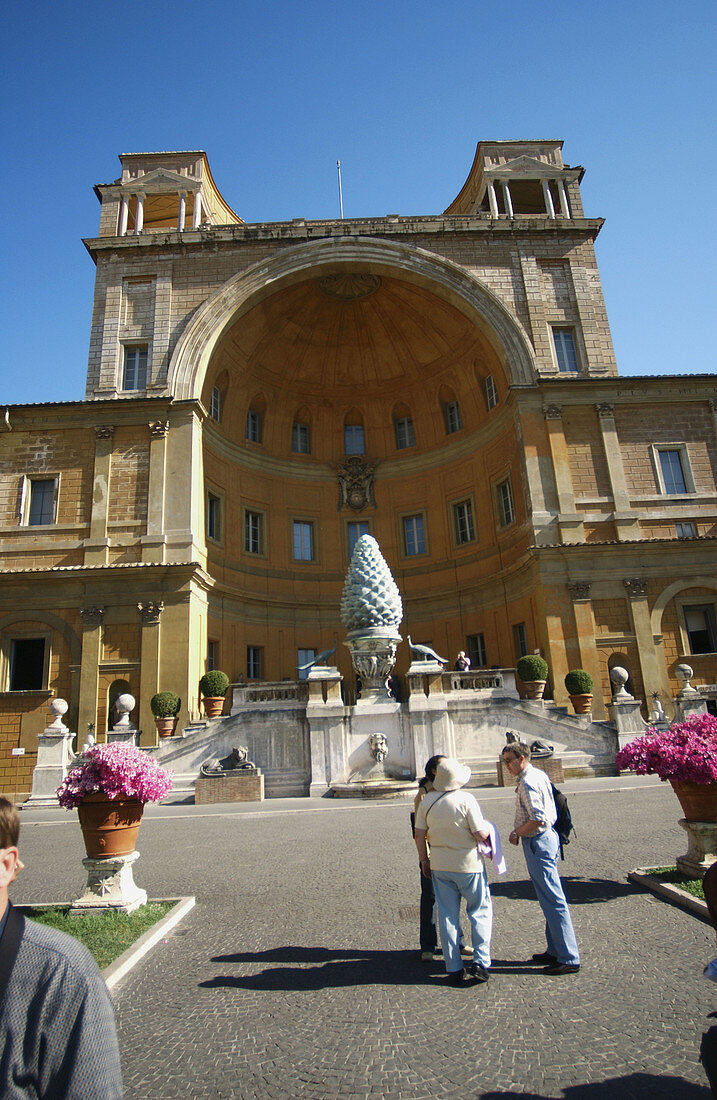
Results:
564 823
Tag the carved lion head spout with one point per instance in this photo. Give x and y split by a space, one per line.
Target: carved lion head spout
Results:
378 746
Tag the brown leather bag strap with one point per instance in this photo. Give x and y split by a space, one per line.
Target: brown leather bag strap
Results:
441 795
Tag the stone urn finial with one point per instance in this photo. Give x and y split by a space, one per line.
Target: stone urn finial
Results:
59 708
125 705
619 677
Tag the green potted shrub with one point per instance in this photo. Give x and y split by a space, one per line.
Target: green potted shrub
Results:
579 686
532 671
213 686
165 708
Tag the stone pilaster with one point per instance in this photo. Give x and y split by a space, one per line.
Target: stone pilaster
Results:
97 545
585 632
654 675
150 613
153 543
626 522
92 619
570 522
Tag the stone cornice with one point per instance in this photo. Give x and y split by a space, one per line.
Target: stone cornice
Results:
301 229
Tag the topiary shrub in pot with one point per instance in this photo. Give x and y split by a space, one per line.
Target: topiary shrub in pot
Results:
579 686
165 708
532 671
213 686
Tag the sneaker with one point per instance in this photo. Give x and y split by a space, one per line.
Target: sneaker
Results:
478 972
426 956
466 951
562 968
545 958
457 977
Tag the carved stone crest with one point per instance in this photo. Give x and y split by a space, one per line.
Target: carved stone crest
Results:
356 483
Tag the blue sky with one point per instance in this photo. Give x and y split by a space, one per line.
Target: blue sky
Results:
400 92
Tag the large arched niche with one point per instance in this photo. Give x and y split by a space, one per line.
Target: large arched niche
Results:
412 266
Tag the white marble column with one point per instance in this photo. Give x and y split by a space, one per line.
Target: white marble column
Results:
492 199
563 195
124 213
506 198
182 210
139 218
197 218
548 198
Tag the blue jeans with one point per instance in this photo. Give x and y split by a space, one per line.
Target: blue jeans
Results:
541 854
449 887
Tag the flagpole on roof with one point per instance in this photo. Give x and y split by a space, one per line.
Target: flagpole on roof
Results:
341 196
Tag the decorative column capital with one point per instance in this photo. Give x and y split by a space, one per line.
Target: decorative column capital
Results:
104 431
605 411
150 612
635 587
159 427
92 616
712 404
579 590
553 412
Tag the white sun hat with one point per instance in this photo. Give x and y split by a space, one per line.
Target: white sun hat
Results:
450 775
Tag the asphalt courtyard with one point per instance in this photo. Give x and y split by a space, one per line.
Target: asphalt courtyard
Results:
297 973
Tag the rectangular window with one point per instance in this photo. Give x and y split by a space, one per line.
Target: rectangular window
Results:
673 474
491 392
212 648
685 530
475 644
565 353
520 640
254 532
405 435
414 538
253 662
253 426
213 517
353 439
300 439
303 541
463 522
356 529
43 496
454 420
134 376
506 511
303 657
700 624
27 664
215 405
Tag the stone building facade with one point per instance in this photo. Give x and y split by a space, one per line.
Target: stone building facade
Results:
259 395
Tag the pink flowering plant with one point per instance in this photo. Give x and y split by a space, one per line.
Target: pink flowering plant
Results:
117 770
686 752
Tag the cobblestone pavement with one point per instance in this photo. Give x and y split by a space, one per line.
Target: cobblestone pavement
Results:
297 974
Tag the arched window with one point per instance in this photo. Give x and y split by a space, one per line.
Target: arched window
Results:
301 433
451 410
255 419
354 441
403 427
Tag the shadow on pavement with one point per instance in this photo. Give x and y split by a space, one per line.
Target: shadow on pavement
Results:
342 967
579 891
630 1087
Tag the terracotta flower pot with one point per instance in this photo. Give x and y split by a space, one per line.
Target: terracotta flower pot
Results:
109 826
213 705
534 688
698 800
582 704
165 726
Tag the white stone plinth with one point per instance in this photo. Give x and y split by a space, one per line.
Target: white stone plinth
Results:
701 848
124 733
626 718
110 886
54 760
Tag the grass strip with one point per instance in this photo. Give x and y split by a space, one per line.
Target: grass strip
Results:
673 877
106 935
